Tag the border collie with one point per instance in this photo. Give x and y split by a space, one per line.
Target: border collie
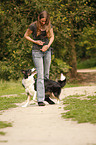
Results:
52 88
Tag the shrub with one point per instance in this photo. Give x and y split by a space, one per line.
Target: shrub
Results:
58 67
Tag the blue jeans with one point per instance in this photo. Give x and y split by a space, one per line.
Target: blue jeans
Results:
42 61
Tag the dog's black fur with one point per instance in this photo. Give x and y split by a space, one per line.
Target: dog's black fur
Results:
51 87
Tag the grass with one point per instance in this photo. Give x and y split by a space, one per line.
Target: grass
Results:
2 133
89 63
80 110
6 103
15 87
11 87
3 141
9 102
4 124
73 84
6 88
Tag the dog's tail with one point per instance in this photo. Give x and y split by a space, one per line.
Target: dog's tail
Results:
62 81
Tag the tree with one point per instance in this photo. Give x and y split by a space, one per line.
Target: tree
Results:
87 41
70 18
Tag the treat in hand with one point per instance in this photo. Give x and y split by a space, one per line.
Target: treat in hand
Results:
44 48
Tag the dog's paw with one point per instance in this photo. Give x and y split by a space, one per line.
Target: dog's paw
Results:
58 102
25 105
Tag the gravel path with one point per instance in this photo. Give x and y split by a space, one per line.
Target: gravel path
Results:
36 125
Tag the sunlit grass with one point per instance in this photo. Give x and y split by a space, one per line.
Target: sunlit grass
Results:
7 88
11 87
4 124
69 85
6 103
80 110
9 102
2 133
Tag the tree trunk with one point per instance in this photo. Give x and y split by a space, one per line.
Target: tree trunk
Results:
73 61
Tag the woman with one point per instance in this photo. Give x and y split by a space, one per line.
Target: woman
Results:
43 37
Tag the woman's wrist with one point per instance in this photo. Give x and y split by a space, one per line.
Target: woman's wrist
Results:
34 41
48 45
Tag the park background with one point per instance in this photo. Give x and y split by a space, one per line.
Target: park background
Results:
74 24
74 47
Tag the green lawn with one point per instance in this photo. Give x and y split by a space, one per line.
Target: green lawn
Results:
7 88
11 87
79 109
4 124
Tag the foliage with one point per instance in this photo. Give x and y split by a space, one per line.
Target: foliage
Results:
87 42
81 110
57 67
71 19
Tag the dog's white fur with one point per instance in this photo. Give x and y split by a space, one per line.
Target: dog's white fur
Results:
29 88
62 77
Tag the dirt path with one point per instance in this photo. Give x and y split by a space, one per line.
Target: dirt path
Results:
36 125
86 70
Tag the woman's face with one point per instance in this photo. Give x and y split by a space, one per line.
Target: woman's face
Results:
43 21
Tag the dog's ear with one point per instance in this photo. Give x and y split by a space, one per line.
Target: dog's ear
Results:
23 71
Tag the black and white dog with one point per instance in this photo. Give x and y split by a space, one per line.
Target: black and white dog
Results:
52 88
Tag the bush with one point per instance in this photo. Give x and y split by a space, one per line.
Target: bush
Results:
58 67
10 72
86 46
7 72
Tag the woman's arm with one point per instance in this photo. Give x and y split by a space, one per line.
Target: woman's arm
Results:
27 36
45 47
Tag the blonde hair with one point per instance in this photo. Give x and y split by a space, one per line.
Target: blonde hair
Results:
44 14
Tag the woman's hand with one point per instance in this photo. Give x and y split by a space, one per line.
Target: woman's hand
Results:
44 48
39 42
27 36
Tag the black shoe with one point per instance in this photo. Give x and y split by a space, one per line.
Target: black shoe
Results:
49 101
41 104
